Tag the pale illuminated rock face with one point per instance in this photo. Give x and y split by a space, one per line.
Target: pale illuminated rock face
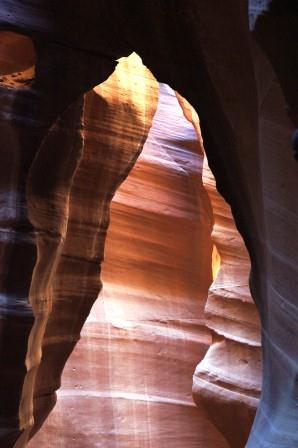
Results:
276 421
128 382
117 116
65 231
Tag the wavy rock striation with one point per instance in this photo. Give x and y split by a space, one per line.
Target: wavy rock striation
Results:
132 369
55 189
117 117
228 380
205 53
276 419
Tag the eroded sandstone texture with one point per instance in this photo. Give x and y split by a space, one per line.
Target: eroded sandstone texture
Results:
128 382
117 116
248 112
228 380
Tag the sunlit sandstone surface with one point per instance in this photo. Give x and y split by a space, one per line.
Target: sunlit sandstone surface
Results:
128 382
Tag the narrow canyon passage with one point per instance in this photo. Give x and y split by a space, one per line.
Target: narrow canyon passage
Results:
65 152
128 382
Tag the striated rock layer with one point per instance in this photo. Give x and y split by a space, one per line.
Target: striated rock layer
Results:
128 382
117 117
68 276
203 50
228 380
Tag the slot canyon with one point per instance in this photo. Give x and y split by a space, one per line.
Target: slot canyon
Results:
148 224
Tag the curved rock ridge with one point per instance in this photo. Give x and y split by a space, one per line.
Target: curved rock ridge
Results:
45 220
128 382
270 176
227 382
276 420
117 117
29 251
37 169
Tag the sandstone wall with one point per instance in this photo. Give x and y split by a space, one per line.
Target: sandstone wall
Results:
129 380
204 52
